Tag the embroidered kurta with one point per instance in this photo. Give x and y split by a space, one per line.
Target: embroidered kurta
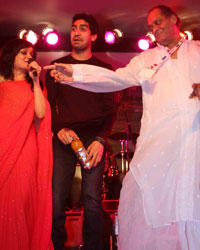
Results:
166 163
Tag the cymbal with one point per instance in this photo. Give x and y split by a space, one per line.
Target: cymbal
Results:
124 154
123 136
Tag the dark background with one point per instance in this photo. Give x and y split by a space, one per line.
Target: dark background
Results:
127 15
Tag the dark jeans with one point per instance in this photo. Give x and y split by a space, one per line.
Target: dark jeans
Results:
64 169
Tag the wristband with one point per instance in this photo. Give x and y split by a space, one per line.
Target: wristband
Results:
101 140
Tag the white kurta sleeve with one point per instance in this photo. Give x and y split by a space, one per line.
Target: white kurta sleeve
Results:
98 79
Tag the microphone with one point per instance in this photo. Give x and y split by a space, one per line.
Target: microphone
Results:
33 70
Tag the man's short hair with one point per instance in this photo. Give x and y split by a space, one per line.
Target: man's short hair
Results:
167 11
93 25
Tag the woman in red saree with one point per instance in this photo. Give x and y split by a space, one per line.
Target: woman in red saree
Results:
25 152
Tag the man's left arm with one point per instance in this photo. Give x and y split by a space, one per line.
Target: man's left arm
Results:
96 148
109 111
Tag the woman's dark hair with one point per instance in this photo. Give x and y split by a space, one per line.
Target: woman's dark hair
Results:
166 11
93 25
7 57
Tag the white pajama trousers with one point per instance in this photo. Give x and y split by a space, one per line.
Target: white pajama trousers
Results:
136 234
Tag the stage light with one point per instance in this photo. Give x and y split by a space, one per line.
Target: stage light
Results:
113 36
32 37
109 37
151 37
189 35
46 30
143 44
28 35
21 33
118 33
50 36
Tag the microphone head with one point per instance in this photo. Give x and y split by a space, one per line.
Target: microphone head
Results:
33 70
30 60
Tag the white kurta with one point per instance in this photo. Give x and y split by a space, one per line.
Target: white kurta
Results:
166 163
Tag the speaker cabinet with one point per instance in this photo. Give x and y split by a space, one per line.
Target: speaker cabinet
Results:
73 225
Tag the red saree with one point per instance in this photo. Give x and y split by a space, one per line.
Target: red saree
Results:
25 171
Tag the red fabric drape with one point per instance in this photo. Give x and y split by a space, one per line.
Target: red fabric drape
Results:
25 171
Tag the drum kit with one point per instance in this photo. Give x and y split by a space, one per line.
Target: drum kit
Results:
117 164
125 155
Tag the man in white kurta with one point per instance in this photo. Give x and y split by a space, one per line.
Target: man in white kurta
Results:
166 162
160 199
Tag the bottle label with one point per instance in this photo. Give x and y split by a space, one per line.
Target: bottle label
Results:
82 155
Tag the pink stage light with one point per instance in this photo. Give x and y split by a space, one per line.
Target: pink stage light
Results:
51 38
110 37
143 44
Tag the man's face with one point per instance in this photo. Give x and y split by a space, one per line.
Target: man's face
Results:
81 37
162 27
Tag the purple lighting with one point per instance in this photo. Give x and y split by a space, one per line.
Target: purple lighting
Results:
109 37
